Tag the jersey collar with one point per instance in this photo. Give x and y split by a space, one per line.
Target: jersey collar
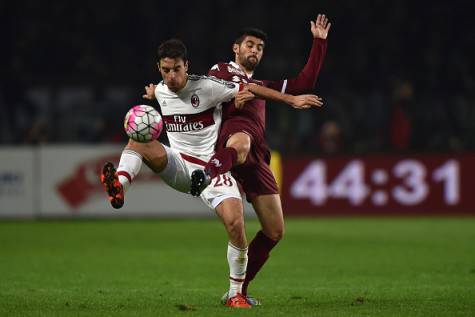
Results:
236 65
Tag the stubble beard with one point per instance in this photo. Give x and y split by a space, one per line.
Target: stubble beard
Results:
249 63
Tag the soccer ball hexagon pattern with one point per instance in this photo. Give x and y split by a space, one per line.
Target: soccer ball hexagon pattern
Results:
143 123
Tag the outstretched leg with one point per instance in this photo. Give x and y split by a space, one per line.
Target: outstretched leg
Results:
231 214
116 182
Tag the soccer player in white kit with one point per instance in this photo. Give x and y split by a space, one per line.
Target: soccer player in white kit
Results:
191 109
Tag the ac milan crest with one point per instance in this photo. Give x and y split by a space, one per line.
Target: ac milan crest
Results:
195 100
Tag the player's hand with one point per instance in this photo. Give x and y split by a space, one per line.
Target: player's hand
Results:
149 92
320 27
242 97
306 101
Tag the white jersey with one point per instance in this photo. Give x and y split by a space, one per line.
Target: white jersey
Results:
193 115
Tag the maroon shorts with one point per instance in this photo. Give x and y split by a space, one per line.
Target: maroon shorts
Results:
255 175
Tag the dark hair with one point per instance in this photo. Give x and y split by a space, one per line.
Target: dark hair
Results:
252 32
173 48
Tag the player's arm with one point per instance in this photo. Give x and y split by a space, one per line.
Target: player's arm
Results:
224 91
298 102
307 78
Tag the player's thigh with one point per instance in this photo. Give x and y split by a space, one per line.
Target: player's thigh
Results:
269 211
176 172
221 187
153 153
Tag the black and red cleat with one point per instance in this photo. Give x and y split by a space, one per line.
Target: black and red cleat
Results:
112 186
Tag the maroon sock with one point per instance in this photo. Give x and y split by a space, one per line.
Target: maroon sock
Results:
221 162
257 255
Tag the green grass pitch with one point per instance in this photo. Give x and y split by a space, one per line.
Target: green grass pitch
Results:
323 267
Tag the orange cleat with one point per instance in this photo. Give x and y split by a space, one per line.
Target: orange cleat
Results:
112 186
250 300
237 301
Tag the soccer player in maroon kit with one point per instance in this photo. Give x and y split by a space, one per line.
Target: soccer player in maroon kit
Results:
241 144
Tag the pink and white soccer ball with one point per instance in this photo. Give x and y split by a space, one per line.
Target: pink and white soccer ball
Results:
143 123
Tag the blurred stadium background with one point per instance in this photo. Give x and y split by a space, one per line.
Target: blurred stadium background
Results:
398 82
396 137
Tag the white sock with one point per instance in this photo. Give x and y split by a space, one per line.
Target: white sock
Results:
130 164
237 259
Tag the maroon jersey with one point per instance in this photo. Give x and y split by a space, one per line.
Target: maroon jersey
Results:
254 175
254 110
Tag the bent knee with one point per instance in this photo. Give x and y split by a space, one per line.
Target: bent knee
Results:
134 145
153 154
235 225
235 228
141 148
243 151
275 234
241 142
243 148
148 150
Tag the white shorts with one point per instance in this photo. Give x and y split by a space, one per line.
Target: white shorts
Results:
177 174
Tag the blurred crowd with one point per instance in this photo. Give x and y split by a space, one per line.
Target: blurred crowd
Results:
398 77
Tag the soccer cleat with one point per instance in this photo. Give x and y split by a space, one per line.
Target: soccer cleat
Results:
199 181
237 301
112 186
250 300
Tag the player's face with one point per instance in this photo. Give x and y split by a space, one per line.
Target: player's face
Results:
174 72
249 52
